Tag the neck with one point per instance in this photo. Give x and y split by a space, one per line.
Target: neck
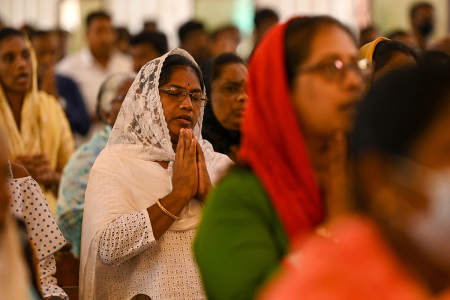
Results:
15 101
421 40
318 151
101 58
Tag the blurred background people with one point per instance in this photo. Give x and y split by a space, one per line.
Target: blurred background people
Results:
65 90
147 46
402 36
91 66
385 56
123 39
368 35
194 39
38 133
264 19
225 81
63 37
74 179
150 26
422 18
224 40
396 245
442 45
304 85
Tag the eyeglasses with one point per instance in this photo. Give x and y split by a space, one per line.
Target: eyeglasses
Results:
179 94
118 98
336 70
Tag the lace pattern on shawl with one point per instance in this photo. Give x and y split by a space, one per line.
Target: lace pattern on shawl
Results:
141 129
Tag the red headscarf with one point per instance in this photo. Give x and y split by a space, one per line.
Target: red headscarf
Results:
272 141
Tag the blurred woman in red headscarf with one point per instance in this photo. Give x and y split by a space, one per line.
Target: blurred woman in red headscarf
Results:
305 80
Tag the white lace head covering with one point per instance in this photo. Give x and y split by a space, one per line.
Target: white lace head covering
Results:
141 130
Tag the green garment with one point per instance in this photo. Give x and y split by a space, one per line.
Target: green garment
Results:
240 241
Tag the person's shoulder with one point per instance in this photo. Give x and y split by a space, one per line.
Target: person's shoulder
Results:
61 79
69 63
240 182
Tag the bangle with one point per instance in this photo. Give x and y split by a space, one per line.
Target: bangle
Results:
166 211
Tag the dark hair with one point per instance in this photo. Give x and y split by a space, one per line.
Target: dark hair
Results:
263 14
434 57
216 33
97 14
299 34
176 60
385 50
187 28
212 131
395 34
399 107
157 39
8 32
40 33
212 68
417 6
122 33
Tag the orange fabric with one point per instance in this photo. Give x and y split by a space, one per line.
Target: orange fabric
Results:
356 263
272 140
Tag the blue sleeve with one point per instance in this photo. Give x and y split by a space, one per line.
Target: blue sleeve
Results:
75 111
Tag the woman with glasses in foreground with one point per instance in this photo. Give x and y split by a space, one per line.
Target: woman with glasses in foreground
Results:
305 80
146 189
396 244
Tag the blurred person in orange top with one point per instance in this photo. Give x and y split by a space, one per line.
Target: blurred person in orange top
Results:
397 243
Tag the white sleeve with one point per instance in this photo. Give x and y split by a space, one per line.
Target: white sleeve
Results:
126 237
47 269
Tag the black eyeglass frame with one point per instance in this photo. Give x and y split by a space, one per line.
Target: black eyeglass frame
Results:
202 100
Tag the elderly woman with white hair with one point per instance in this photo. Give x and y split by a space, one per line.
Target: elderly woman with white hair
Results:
70 206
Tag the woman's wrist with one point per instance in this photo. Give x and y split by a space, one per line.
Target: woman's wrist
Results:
181 194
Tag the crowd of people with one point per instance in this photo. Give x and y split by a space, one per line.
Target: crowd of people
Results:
318 168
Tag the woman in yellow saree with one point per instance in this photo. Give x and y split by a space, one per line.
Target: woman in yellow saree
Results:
38 133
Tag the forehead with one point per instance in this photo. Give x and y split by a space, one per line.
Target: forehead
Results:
424 11
12 43
233 71
99 22
331 41
45 40
184 76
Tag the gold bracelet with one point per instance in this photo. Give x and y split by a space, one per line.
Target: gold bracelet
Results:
166 211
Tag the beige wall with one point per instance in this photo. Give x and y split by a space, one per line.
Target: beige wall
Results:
389 15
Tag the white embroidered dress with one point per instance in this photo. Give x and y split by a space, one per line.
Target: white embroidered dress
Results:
120 257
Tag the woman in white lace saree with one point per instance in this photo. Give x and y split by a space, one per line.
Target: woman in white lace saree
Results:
145 191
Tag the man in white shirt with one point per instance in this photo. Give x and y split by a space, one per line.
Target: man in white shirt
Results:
92 65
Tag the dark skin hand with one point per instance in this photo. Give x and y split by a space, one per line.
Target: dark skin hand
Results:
39 168
190 180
